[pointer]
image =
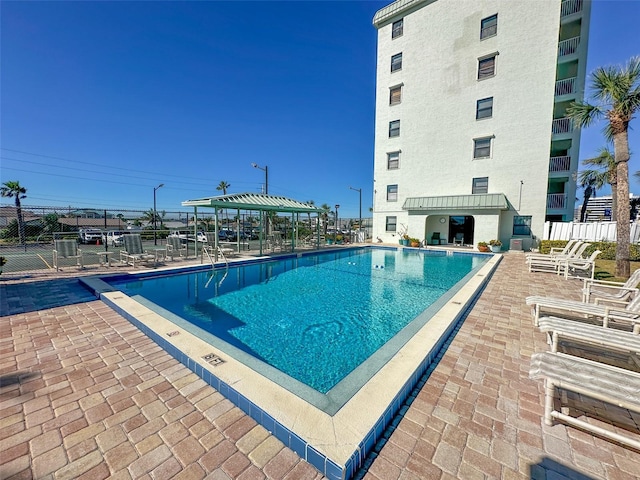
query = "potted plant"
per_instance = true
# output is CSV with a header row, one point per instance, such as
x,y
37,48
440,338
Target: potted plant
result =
x,y
404,241
414,242
339,239
495,246
483,246
330,238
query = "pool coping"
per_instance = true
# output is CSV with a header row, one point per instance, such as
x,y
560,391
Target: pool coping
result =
x,y
337,445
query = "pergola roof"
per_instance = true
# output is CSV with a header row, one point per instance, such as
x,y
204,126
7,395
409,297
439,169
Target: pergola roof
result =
x,y
254,201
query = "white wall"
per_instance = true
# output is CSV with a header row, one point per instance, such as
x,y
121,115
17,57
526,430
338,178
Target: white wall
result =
x,y
440,46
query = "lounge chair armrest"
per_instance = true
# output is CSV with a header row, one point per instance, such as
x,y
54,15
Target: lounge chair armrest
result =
x,y
599,301
599,283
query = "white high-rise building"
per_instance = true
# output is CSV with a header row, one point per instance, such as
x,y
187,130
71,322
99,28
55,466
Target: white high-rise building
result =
x,y
472,142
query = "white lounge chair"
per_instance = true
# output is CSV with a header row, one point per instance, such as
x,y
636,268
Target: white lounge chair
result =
x,y
603,382
133,251
574,265
607,290
555,263
628,314
555,251
67,249
580,332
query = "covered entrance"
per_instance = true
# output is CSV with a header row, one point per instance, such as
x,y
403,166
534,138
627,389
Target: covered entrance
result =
x,y
461,228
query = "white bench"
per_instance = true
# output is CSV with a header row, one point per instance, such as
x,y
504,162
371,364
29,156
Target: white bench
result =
x,y
595,380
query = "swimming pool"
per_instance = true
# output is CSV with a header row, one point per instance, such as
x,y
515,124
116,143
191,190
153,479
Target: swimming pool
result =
x,y
331,430
340,307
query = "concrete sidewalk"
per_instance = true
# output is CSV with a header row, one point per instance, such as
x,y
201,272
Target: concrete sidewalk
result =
x,y
86,395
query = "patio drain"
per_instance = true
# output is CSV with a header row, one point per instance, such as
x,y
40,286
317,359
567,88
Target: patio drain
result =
x,y
173,334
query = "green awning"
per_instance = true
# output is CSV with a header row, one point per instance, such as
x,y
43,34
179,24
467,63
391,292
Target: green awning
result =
x,y
254,201
487,201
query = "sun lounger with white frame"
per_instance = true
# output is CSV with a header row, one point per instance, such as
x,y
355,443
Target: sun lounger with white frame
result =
x,y
599,381
571,266
555,251
628,314
555,263
607,290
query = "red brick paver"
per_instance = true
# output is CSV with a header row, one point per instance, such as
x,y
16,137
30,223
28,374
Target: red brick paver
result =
x,y
98,399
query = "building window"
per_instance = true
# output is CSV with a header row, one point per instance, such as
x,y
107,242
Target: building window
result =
x,y
392,193
391,223
489,26
395,95
396,62
522,225
396,29
394,128
480,185
393,160
484,108
482,147
487,67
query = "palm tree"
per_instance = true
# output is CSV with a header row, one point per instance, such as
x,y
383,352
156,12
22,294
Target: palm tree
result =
x,y
593,179
10,189
616,91
324,215
223,186
310,202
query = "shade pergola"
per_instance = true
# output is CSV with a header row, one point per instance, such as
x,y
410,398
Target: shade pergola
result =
x,y
253,202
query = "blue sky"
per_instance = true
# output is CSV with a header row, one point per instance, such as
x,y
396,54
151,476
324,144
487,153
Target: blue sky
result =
x,y
103,101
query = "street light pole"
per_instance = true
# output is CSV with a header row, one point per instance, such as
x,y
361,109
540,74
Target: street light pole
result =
x,y
359,190
337,207
155,213
266,189
266,176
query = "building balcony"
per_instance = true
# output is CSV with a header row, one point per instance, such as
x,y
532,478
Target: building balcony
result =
x,y
566,86
569,7
560,164
568,46
556,201
561,125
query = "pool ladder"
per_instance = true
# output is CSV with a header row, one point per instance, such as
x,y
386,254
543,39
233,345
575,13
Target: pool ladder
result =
x,y
213,266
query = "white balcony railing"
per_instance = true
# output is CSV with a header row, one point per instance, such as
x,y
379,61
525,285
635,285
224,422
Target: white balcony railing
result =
x,y
569,7
555,200
561,125
560,164
566,86
568,47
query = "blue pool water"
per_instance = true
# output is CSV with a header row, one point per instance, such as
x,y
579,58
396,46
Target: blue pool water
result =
x,y
316,318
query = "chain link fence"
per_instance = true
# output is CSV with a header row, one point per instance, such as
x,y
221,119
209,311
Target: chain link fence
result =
x,y
28,245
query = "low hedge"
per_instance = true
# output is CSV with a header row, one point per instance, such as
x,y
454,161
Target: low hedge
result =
x,y
608,249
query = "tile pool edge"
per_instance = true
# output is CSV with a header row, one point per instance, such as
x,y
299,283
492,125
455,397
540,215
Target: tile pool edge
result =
x,y
338,444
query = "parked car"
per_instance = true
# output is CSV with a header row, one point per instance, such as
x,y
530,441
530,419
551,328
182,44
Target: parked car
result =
x,y
185,235
227,235
113,238
89,235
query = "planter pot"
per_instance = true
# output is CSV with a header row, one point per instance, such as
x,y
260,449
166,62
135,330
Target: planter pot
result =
x,y
415,244
329,242
483,249
404,243
495,248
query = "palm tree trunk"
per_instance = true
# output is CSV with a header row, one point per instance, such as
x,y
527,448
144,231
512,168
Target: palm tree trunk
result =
x,y
587,196
21,233
621,152
614,200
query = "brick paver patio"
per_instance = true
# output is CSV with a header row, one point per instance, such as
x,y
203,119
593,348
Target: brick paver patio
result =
x,y
86,395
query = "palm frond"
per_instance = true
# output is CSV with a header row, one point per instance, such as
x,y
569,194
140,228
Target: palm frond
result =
x,y
584,114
